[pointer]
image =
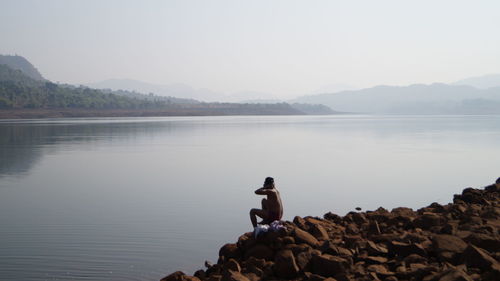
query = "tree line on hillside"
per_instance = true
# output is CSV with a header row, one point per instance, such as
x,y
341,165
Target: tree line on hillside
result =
x,y
19,91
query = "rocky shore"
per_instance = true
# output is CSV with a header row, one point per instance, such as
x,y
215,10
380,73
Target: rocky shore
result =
x,y
457,241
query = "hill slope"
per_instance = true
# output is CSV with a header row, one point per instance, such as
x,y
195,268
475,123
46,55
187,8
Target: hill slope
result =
x,y
22,64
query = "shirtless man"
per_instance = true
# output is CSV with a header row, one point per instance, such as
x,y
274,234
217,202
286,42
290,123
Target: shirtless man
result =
x,y
272,209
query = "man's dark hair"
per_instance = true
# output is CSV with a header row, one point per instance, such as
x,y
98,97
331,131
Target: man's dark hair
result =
x,y
498,180
269,182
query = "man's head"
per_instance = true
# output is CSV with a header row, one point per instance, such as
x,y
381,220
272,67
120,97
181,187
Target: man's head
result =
x,y
269,183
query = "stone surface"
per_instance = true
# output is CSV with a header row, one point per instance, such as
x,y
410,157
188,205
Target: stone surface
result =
x,y
302,236
459,241
285,265
477,257
328,265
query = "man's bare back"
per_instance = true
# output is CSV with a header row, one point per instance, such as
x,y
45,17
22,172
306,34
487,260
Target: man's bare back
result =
x,y
272,208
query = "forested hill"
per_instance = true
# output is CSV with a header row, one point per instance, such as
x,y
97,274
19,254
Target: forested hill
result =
x,y
17,90
24,97
20,63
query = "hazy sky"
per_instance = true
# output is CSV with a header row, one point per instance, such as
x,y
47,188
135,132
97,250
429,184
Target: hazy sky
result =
x,y
286,48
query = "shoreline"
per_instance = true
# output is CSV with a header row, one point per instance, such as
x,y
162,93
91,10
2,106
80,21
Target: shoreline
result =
x,y
456,241
69,113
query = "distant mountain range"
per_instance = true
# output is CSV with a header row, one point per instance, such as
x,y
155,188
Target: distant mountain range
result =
x,y
180,90
476,95
481,82
414,99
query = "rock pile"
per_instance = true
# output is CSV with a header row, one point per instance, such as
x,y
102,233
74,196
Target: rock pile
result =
x,y
458,241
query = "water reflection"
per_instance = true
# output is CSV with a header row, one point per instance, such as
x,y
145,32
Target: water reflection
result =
x,y
24,143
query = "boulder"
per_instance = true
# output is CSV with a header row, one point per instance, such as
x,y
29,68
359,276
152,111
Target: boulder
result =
x,y
448,247
328,265
285,265
375,260
379,269
302,236
414,258
428,220
477,257
233,265
333,217
214,277
230,250
484,241
404,249
260,251
318,232
230,275
179,276
300,222
455,275
375,249
303,260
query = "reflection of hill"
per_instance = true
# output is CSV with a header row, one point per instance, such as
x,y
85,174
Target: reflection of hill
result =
x,y
23,144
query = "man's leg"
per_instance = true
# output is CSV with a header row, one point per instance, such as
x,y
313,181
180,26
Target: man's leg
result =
x,y
257,212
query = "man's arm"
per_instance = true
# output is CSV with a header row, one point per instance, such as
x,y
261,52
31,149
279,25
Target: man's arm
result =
x,y
263,191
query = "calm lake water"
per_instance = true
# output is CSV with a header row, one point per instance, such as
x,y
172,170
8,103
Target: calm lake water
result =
x,y
138,198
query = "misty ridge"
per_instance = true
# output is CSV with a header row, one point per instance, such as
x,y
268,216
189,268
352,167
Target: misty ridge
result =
x,y
24,90
476,95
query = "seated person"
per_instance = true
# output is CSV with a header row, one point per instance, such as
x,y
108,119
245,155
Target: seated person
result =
x,y
272,208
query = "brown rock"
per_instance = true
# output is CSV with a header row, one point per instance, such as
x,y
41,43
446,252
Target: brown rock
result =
x,y
303,260
379,269
285,265
179,276
477,257
233,265
288,240
414,258
302,236
230,275
318,232
328,265
333,217
484,241
332,249
428,220
214,277
375,260
176,276
375,249
252,276
405,249
260,251
200,274
403,211
455,275
258,263
448,247
359,218
300,222
229,251
315,277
